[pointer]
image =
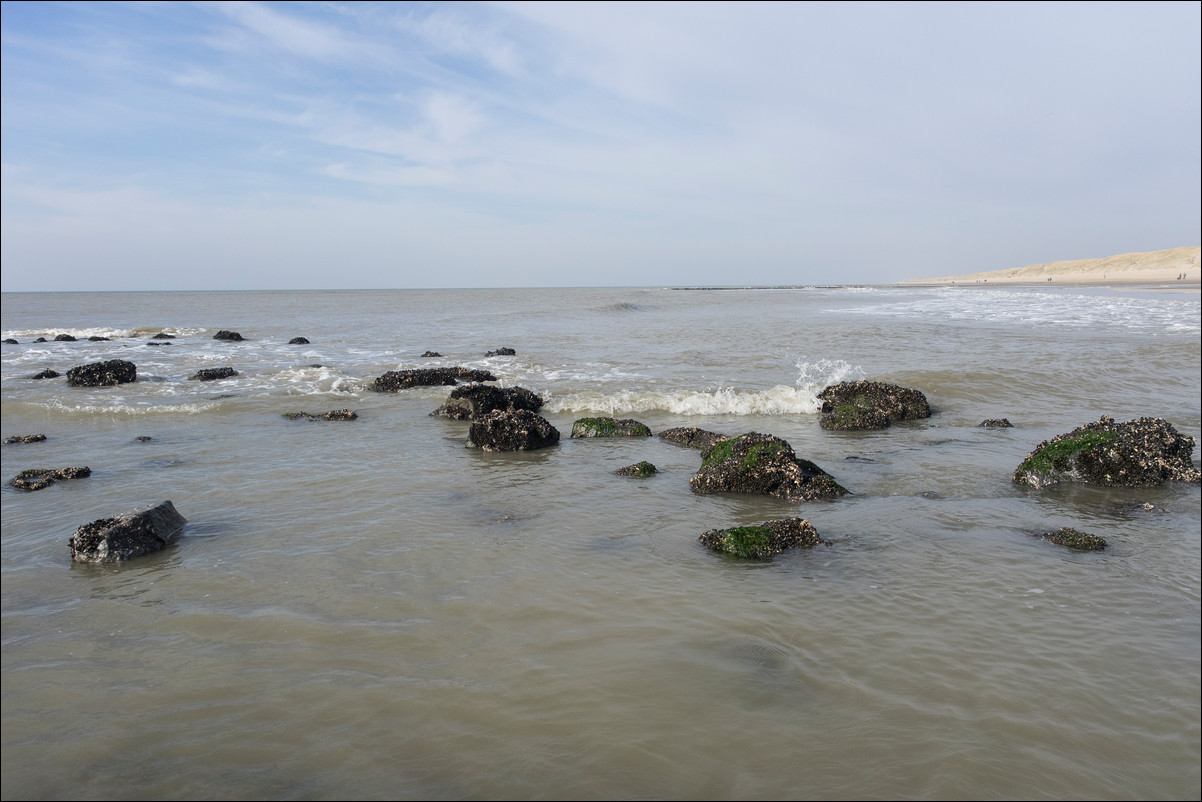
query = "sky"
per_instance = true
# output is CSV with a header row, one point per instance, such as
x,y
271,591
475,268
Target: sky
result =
x,y
327,145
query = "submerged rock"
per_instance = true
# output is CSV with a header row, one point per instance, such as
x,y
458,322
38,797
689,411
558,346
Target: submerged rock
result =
x,y
232,336
24,438
103,374
870,405
96,338
519,430
431,354
764,540
40,478
395,380
502,352
608,427
10,341
141,531
640,469
1001,423
213,374
298,341
162,335
335,414
1081,541
64,338
46,374
762,463
474,401
692,437
1137,453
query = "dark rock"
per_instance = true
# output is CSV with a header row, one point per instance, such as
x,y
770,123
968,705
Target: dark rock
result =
x,y
693,437
103,374
519,430
24,438
640,469
1067,536
317,365
142,531
143,438
298,341
64,338
764,540
608,427
213,374
474,401
40,340
151,343
10,341
336,414
233,336
1138,453
39,478
1001,423
501,352
761,463
162,335
395,380
96,338
431,354
46,374
870,405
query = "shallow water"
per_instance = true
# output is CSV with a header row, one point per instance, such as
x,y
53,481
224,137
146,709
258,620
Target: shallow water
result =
x,y
369,609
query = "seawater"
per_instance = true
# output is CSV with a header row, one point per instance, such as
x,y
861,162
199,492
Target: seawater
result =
x,y
370,609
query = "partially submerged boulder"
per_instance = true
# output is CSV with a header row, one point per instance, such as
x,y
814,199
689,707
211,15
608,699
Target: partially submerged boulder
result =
x,y
162,335
431,354
298,341
1073,539
870,405
474,401
519,430
11,341
763,540
334,414
232,336
1136,453
64,338
608,427
502,352
640,469
103,374
46,374
141,531
40,478
24,438
213,374
692,437
762,463
1000,423
395,380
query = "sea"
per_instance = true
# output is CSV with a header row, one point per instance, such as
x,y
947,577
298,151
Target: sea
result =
x,y
372,609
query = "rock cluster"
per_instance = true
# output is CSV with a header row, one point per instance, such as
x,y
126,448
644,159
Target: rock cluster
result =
x,y
141,531
870,405
1136,453
762,463
763,540
40,478
103,374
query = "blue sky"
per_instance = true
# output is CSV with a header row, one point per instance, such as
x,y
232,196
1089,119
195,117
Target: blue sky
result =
x,y
236,146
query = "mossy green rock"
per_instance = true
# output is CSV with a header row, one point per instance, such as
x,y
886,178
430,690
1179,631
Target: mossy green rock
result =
x,y
870,405
762,540
1073,539
608,427
640,469
762,463
1136,453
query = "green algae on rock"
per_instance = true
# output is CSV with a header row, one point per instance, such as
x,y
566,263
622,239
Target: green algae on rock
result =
x,y
640,469
1136,453
608,427
870,405
762,463
1074,539
762,540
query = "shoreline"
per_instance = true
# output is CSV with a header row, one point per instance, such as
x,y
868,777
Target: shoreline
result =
x,y
1176,268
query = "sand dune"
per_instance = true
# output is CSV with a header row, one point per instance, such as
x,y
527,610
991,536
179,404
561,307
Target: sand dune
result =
x,y
1173,266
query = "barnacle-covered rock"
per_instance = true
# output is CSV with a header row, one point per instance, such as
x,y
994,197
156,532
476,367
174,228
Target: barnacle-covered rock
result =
x,y
213,374
870,405
519,430
640,469
142,531
1073,539
103,374
692,437
608,427
763,540
762,463
395,380
40,478
474,401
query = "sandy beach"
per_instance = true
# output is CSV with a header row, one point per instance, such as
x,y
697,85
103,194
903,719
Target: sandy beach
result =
x,y
1179,266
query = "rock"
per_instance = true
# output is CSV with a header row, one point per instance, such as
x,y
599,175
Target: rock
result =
x,y
1082,541
1137,453
142,531
143,438
640,469
336,414
39,478
162,335
96,338
213,374
150,343
502,352
693,437
46,374
474,401
761,463
24,438
395,380
1001,423
103,374
764,540
870,405
298,341
40,340
519,430
64,338
10,341
430,354
233,336
608,427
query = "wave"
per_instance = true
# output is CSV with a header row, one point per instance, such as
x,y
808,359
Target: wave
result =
x,y
119,408
779,400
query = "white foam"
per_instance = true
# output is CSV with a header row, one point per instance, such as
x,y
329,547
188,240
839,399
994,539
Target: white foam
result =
x,y
779,400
